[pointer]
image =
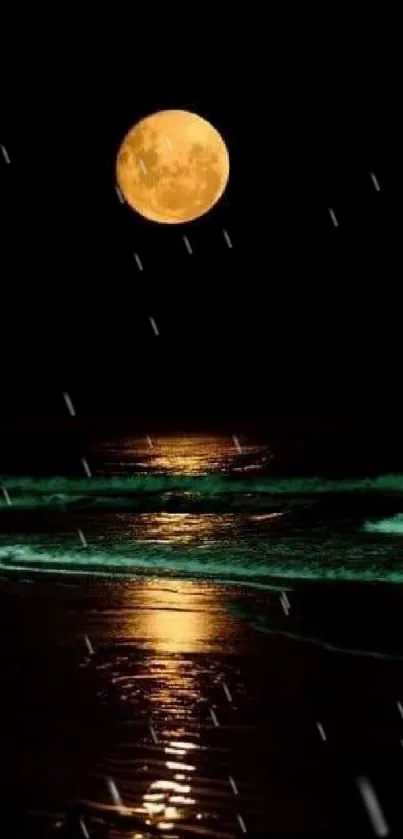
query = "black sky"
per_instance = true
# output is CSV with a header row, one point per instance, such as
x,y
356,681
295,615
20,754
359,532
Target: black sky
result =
x,y
299,316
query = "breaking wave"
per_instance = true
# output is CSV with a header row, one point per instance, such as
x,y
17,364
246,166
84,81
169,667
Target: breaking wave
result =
x,y
260,561
392,526
131,491
250,531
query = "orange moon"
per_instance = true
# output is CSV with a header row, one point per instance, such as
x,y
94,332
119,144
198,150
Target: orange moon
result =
x,y
172,167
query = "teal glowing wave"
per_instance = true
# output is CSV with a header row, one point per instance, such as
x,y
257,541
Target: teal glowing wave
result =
x,y
259,561
112,492
264,549
392,526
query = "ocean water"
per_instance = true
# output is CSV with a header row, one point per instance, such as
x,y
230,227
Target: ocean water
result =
x,y
202,507
145,642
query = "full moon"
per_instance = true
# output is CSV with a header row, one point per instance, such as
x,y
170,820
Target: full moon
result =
x,y
172,167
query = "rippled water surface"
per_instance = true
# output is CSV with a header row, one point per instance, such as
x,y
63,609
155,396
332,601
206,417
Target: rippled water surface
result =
x,y
202,507
163,654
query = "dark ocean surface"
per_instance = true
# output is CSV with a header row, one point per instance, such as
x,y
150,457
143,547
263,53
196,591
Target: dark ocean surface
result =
x,y
216,639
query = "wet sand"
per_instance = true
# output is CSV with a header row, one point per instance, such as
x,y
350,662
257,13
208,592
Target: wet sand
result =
x,y
211,708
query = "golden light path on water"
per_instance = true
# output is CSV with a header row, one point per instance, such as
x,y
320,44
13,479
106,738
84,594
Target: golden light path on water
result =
x,y
174,620
171,624
174,626
175,528
183,454
188,456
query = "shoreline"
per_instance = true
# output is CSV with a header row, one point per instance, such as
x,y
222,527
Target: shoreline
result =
x,y
274,583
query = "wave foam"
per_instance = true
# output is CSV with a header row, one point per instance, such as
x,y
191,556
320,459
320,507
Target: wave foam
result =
x,y
391,526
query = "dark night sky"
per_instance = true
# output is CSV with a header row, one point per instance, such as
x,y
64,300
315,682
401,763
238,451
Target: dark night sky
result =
x,y
299,316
